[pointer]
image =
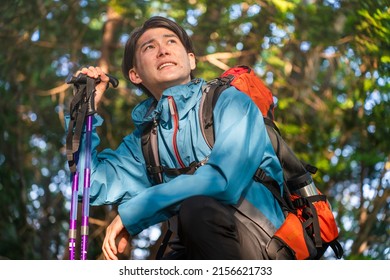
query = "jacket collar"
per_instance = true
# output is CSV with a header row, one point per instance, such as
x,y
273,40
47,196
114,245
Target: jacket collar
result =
x,y
185,97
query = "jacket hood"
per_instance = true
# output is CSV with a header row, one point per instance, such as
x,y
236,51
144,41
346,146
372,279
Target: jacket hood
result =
x,y
185,96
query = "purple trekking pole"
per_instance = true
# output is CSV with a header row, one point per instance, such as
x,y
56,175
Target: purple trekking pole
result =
x,y
87,182
73,217
82,109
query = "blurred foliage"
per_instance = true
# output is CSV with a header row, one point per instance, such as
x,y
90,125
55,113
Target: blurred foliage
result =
x,y
327,63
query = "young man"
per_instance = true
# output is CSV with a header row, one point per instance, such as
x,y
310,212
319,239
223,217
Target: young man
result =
x,y
219,212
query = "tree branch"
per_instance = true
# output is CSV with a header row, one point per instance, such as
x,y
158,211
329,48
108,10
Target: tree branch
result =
x,y
216,58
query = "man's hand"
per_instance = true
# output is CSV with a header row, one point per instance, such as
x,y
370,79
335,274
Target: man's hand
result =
x,y
96,72
115,231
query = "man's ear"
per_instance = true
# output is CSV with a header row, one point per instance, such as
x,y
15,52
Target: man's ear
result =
x,y
191,57
134,77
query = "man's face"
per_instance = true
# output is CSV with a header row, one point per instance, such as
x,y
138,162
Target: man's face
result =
x,y
161,61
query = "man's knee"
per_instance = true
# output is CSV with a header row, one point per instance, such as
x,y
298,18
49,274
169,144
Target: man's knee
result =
x,y
202,212
197,207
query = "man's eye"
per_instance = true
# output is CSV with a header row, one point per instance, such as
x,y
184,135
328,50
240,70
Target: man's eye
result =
x,y
172,41
148,47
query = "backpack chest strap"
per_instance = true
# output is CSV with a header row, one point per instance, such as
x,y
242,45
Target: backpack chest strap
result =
x,y
156,171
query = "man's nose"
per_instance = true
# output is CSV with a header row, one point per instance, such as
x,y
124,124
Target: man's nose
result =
x,y
163,50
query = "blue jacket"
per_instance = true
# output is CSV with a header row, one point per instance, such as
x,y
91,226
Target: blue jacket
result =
x,y
242,145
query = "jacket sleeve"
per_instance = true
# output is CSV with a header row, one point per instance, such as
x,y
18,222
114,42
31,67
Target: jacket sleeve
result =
x,y
115,174
237,152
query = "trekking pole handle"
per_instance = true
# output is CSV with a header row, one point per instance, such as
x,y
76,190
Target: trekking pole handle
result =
x,y
82,79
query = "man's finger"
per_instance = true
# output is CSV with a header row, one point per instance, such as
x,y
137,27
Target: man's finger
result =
x,y
123,242
109,247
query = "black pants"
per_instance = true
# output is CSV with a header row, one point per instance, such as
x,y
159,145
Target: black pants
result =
x,y
211,230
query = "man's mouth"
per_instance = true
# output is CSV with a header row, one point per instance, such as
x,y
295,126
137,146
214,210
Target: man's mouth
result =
x,y
166,65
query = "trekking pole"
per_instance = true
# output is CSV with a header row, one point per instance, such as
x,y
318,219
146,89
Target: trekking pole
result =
x,y
82,104
87,182
73,216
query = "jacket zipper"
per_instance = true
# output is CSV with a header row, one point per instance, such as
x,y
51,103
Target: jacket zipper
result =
x,y
173,109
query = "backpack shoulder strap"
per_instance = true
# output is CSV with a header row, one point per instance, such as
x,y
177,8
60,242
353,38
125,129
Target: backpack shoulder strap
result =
x,y
211,92
150,151
149,144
